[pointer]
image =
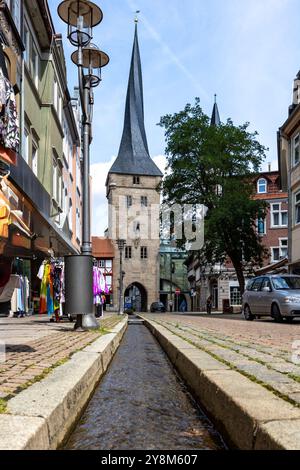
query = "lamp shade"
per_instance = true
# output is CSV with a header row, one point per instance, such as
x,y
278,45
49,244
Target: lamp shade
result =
x,y
70,10
81,16
92,59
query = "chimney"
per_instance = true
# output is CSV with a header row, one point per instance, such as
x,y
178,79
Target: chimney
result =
x,y
269,167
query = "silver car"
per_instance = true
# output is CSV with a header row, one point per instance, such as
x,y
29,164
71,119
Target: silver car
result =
x,y
275,295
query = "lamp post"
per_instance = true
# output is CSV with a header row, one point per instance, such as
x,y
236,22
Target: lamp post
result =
x,y
82,16
121,245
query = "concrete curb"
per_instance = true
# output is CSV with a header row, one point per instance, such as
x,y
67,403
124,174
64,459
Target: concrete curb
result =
x,y
42,416
247,414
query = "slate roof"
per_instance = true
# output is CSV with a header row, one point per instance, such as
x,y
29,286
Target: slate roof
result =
x,y
215,118
133,157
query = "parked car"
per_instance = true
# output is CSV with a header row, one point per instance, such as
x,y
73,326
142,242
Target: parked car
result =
x,y
277,296
157,307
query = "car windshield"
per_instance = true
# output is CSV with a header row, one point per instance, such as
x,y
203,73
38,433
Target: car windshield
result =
x,y
286,283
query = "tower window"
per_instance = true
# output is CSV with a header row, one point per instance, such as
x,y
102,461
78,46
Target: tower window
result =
x,y
136,180
144,201
128,252
144,252
129,201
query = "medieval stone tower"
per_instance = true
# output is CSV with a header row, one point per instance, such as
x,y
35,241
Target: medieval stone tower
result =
x,y
134,201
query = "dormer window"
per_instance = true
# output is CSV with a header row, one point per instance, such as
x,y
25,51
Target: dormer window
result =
x,y
136,180
262,186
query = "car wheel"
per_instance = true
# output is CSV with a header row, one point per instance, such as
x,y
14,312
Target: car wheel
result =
x,y
247,313
276,313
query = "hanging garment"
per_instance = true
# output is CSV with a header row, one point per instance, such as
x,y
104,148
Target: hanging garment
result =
x,y
44,288
13,283
102,282
9,125
62,283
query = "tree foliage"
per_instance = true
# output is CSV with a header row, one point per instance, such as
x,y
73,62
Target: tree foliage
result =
x,y
215,166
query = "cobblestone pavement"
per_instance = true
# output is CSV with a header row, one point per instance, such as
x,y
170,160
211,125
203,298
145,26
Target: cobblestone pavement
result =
x,y
34,346
261,350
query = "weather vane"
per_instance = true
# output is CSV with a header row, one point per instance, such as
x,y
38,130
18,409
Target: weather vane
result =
x,y
136,19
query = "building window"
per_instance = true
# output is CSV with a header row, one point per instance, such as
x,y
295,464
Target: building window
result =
x,y
34,158
281,251
235,296
296,149
78,224
26,145
129,201
128,252
279,217
15,9
136,227
261,226
297,208
57,184
55,93
136,180
35,65
108,280
26,39
108,264
59,188
54,178
70,215
262,186
144,201
144,252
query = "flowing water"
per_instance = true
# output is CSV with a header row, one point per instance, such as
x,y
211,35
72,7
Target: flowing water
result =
x,y
142,404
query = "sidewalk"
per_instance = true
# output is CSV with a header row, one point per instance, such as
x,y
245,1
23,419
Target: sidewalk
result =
x,y
34,346
260,351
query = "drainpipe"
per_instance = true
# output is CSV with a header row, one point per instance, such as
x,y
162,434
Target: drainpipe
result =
x,y
290,206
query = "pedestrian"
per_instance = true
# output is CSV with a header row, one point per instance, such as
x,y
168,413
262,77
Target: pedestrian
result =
x,y
171,306
209,305
182,307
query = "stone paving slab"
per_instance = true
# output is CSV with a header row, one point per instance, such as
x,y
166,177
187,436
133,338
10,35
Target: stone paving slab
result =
x,y
29,360
278,435
49,409
18,431
271,367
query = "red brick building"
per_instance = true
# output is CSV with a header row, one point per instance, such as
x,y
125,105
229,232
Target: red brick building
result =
x,y
220,281
103,253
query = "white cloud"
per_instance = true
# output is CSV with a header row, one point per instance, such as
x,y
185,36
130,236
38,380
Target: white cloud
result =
x,y
161,162
99,173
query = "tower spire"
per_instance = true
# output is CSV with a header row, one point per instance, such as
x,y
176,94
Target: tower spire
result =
x,y
133,157
215,118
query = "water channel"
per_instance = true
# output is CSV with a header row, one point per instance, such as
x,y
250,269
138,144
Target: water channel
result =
x,y
141,403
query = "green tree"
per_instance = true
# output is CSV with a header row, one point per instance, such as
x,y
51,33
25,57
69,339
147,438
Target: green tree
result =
x,y
215,166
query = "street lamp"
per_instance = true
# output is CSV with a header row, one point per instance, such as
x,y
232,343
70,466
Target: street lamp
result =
x,y
121,245
81,17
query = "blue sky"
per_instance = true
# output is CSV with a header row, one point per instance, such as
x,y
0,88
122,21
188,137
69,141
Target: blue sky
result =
x,y
246,51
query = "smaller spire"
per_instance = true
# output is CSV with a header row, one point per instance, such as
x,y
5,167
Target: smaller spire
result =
x,y
215,118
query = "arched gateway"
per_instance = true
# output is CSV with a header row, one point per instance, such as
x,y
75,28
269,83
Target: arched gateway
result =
x,y
136,297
